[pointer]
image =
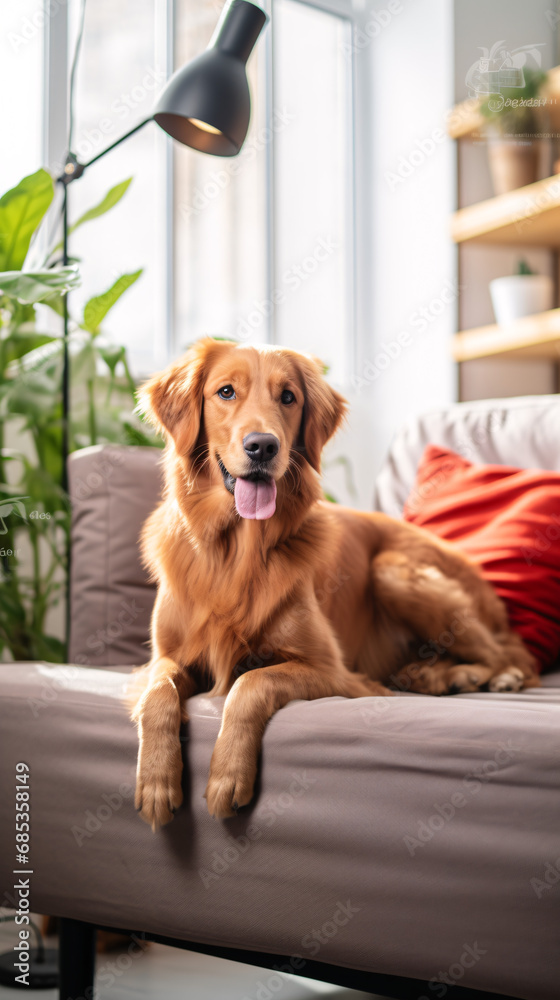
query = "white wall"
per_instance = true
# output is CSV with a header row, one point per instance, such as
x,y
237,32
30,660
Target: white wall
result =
x,y
410,259
21,68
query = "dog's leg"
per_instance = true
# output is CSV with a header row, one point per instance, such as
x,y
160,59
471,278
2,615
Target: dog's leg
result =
x,y
443,677
439,610
252,701
158,715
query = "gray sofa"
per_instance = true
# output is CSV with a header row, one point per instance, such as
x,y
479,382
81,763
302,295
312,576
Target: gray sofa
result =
x,y
406,846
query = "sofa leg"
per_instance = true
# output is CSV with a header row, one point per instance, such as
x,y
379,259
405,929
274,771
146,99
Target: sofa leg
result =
x,y
76,959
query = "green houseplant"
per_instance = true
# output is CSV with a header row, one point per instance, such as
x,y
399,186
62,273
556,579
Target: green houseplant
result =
x,y
34,509
514,118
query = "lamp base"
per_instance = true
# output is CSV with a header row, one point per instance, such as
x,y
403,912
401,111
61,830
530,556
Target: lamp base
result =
x,y
41,976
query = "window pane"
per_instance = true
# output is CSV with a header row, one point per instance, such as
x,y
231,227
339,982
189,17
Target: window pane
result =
x,y
313,183
21,86
220,216
117,83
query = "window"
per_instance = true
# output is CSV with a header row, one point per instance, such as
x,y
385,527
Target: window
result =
x,y
220,209
313,190
263,242
257,247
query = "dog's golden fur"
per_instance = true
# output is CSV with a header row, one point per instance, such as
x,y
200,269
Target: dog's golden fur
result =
x,y
317,600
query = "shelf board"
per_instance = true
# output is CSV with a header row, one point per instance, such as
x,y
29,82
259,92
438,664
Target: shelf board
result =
x,y
465,118
529,216
536,337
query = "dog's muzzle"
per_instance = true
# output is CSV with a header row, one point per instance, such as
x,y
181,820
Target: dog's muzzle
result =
x,y
254,494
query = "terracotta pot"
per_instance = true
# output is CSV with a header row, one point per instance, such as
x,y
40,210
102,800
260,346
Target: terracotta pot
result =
x,y
513,164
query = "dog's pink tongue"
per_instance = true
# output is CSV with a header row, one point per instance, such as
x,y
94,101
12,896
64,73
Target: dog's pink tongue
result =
x,y
255,500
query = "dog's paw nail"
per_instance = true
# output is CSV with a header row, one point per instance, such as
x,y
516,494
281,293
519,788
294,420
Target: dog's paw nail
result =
x,y
235,806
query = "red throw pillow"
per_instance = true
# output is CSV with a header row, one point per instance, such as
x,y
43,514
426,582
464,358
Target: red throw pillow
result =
x,y
507,521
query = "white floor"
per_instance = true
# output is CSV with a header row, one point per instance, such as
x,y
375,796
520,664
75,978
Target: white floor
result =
x,y
162,973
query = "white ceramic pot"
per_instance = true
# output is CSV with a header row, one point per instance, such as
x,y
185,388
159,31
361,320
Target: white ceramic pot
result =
x,y
521,295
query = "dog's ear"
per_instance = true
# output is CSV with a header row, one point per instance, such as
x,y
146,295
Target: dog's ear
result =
x,y
172,400
324,409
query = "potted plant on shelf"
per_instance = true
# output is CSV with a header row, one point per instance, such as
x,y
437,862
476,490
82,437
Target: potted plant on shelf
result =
x,y
514,120
521,294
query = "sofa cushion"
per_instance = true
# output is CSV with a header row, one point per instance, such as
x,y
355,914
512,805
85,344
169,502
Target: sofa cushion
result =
x,y
507,521
523,431
113,489
387,834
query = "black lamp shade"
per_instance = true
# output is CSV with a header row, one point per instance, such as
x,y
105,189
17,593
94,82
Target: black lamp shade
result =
x,y
206,104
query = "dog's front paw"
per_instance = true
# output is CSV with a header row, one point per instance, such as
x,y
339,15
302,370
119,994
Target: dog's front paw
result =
x,y
228,791
158,795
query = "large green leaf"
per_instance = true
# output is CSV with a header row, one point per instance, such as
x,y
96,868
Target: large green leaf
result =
x,y
21,343
34,286
21,211
97,308
111,199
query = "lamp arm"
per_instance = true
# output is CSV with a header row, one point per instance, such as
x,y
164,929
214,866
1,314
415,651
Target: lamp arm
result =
x,y
74,169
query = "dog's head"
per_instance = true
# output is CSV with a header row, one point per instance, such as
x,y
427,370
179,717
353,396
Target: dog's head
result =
x,y
240,415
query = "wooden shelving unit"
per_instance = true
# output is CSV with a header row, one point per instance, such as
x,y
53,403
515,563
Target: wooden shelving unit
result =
x,y
535,337
527,217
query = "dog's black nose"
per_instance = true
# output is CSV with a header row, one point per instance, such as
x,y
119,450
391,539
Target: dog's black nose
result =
x,y
261,447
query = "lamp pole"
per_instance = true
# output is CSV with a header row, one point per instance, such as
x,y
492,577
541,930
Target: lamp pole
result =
x,y
73,169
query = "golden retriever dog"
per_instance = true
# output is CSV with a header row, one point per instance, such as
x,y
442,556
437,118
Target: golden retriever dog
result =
x,y
267,594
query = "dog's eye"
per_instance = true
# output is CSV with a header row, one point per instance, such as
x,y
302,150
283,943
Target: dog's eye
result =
x,y
287,397
226,392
